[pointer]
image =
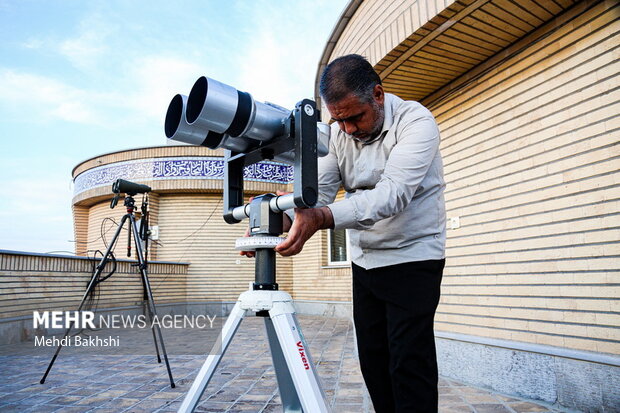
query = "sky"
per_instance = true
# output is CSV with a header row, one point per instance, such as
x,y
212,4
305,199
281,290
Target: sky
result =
x,y
83,78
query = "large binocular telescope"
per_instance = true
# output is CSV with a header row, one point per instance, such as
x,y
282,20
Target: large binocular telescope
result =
x,y
216,115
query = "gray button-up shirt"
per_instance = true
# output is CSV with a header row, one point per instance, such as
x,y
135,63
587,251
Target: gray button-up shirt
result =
x,y
394,207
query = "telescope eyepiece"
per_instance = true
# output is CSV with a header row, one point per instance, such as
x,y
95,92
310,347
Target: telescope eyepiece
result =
x,y
174,115
196,99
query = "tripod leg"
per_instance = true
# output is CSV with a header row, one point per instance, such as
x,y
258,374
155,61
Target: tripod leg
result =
x,y
145,309
208,368
150,301
90,287
295,352
288,394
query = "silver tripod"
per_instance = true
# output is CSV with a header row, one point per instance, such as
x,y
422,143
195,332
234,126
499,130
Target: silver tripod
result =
x,y
298,381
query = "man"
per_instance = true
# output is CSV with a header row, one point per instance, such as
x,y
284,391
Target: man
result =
x,y
385,153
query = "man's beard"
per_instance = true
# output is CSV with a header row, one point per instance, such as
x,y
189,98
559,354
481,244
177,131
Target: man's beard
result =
x,y
377,127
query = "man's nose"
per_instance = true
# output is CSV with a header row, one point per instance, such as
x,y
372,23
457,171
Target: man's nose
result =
x,y
349,127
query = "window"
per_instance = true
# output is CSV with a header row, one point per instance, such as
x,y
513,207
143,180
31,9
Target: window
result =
x,y
337,247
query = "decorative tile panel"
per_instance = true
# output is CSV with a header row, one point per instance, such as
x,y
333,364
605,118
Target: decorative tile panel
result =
x,y
178,168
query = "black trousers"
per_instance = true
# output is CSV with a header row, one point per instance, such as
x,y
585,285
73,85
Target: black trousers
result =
x,y
393,310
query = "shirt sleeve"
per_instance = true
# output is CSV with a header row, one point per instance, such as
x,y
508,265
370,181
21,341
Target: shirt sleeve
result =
x,y
407,165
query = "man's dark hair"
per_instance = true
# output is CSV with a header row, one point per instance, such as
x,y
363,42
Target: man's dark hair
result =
x,y
348,74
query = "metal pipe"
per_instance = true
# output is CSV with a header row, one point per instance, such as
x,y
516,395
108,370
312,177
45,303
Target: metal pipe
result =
x,y
265,266
277,204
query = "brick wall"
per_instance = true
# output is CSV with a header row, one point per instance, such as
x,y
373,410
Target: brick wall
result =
x,y
47,282
531,160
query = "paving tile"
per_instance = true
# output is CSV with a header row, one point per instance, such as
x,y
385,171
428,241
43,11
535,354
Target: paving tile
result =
x,y
348,408
256,398
224,396
522,407
43,408
167,395
37,399
151,404
473,390
75,409
480,399
213,406
120,403
448,399
271,408
505,399
138,410
245,407
66,400
93,401
14,397
456,408
112,394
86,392
59,390
350,400
491,408
137,394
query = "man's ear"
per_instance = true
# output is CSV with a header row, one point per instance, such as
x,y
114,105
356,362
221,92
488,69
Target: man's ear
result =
x,y
378,94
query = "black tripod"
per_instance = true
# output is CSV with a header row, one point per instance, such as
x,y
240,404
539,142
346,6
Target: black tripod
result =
x,y
131,190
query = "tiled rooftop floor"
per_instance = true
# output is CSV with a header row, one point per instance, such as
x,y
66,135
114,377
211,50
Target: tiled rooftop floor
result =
x,y
244,382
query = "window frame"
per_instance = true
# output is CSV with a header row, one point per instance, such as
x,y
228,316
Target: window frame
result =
x,y
331,263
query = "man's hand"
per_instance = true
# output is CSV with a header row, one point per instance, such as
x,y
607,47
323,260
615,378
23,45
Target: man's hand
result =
x,y
306,223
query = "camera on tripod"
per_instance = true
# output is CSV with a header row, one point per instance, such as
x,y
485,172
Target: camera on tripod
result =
x,y
140,240
121,186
